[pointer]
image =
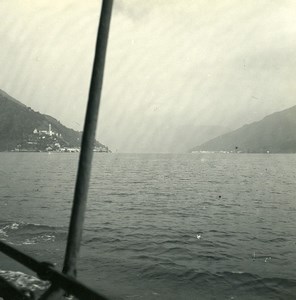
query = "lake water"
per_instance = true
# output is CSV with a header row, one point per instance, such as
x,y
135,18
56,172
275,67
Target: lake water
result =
x,y
161,226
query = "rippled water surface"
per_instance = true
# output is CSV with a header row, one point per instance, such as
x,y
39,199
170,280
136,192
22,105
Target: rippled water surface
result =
x,y
160,226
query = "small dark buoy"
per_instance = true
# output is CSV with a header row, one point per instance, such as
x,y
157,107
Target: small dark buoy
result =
x,y
219,196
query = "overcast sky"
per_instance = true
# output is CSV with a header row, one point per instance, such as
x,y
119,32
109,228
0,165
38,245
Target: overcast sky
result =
x,y
171,65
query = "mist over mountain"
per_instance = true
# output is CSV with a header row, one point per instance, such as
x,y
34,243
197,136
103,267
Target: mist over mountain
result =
x,y
276,133
17,123
184,137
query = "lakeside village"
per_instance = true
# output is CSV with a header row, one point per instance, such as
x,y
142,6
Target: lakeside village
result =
x,y
49,141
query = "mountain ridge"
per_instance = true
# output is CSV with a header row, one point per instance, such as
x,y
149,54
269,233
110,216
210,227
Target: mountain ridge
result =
x,y
275,133
17,123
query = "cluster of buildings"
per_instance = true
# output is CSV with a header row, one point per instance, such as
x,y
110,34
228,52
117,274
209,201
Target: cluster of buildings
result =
x,y
49,141
48,132
45,140
41,140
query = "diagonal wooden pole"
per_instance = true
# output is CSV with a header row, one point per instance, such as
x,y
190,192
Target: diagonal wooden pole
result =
x,y
88,140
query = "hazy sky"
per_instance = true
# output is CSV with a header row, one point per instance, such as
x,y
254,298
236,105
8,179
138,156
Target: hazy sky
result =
x,y
171,65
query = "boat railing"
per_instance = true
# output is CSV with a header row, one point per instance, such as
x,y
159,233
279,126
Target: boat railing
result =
x,y
65,281
45,271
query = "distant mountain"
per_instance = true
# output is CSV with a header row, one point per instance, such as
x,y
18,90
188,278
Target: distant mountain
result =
x,y
17,123
184,137
275,133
